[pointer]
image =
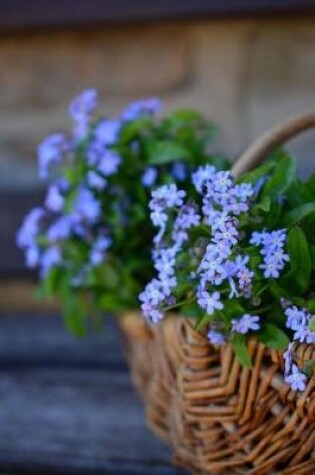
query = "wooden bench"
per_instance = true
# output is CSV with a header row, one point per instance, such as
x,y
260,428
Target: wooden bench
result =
x,y
67,405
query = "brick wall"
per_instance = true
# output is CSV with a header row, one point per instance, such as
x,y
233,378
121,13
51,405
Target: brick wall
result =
x,y
244,74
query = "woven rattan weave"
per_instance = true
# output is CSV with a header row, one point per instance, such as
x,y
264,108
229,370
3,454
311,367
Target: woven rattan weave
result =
x,y
218,417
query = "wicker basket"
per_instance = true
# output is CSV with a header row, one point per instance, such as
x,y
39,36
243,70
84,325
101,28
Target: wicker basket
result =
x,y
218,417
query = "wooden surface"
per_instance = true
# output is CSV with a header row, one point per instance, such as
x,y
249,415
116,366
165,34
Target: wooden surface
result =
x,y
17,14
14,205
67,405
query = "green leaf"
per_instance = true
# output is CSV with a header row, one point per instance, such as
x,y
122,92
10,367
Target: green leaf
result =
x,y
311,305
281,178
108,302
188,125
202,322
74,323
312,255
259,172
134,129
308,225
264,204
109,274
278,291
255,258
50,285
275,314
298,214
163,151
239,345
74,314
233,309
200,231
311,184
298,194
278,155
181,288
273,337
184,116
274,215
259,287
192,310
297,279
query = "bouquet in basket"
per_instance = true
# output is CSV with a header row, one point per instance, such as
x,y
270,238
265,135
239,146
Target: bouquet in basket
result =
x,y
236,256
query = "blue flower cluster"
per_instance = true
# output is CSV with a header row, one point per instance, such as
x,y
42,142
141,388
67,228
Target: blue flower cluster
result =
x,y
221,263
45,229
299,321
163,199
216,267
158,292
81,111
272,244
52,151
246,323
74,209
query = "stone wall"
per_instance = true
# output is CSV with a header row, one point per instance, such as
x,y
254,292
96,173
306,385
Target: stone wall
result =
x,y
246,75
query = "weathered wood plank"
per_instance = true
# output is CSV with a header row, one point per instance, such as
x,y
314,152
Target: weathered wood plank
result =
x,y
13,207
67,405
17,294
40,340
36,13
75,422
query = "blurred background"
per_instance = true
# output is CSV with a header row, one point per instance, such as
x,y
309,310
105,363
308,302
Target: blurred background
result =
x,y
246,64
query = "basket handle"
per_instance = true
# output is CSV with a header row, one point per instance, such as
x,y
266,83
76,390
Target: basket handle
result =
x,y
273,138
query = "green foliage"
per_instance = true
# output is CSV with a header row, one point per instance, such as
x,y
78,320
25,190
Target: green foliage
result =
x,y
232,309
51,284
273,337
75,312
134,130
239,345
255,175
298,193
114,284
161,152
311,184
310,304
264,204
191,310
298,277
202,322
281,178
298,214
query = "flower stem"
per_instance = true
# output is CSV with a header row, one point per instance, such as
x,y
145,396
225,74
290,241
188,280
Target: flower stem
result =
x,y
178,304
